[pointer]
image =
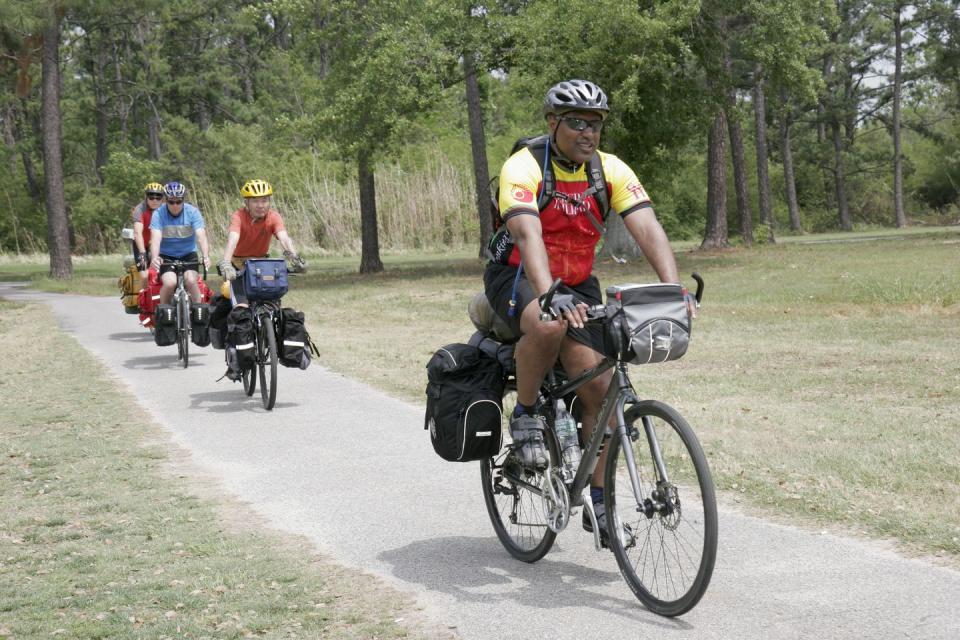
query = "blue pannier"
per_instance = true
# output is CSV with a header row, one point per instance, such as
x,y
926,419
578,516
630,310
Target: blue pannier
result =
x,y
265,279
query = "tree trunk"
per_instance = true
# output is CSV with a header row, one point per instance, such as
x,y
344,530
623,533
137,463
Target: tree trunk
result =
x,y
828,178
840,178
203,115
736,149
58,234
478,145
100,98
763,171
715,236
900,216
789,176
153,131
17,129
740,173
369,235
122,101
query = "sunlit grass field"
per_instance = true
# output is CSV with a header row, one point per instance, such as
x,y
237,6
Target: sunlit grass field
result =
x,y
107,532
823,379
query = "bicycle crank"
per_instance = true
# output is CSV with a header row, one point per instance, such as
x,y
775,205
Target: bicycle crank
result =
x,y
556,500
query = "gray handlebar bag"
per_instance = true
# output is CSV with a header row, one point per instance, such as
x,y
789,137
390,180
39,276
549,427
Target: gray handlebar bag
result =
x,y
655,320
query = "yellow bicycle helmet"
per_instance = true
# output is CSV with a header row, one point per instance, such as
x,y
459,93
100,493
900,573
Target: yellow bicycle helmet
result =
x,y
153,187
256,189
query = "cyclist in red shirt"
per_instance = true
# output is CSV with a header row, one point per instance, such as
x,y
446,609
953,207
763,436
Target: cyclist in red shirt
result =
x,y
251,229
140,215
558,241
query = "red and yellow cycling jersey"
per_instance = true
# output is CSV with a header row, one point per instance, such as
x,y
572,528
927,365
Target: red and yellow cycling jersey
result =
x,y
569,236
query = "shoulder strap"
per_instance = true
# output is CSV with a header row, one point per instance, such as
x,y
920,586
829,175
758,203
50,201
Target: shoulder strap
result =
x,y
599,183
540,149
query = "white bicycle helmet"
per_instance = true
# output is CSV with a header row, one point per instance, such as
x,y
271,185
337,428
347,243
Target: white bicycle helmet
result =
x,y
575,95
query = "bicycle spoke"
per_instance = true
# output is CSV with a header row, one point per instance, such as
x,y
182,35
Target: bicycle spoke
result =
x,y
514,502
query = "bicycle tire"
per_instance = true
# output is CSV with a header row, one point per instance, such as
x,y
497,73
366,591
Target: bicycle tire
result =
x,y
183,329
667,556
249,377
267,362
515,512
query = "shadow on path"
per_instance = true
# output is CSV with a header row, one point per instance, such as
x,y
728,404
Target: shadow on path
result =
x,y
161,361
132,336
232,400
480,570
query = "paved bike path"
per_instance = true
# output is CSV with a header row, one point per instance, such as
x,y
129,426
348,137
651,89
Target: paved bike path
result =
x,y
351,469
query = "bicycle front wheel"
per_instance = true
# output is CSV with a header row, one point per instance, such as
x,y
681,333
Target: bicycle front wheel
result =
x,y
513,497
665,538
183,330
267,362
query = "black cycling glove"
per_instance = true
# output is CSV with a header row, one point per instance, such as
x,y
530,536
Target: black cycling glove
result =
x,y
561,302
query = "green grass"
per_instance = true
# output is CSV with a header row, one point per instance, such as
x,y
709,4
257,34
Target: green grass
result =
x,y
99,538
822,379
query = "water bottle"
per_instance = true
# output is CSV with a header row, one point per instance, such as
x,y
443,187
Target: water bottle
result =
x,y
566,428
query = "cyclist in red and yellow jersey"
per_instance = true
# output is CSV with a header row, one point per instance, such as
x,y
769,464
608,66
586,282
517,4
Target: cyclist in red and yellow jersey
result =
x,y
557,239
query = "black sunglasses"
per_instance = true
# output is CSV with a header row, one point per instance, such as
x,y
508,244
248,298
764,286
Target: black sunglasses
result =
x,y
154,196
169,201
579,124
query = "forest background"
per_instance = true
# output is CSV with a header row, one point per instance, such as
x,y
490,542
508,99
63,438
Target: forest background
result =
x,y
381,122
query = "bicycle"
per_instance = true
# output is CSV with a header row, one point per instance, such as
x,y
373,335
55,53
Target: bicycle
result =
x,y
181,302
266,328
659,494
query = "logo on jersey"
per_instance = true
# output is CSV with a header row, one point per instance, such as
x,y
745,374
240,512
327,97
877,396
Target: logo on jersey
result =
x,y
521,194
637,190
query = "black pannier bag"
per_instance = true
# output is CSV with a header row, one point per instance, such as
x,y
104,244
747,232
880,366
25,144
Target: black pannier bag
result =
x,y
654,321
200,324
219,310
165,325
295,344
464,410
240,336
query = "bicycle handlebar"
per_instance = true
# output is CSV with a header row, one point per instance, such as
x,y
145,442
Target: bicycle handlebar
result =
x,y
179,266
599,311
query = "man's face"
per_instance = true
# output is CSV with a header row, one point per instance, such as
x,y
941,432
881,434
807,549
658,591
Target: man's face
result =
x,y
258,207
175,206
578,146
154,200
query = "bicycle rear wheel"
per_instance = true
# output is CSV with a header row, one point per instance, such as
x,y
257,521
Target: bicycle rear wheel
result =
x,y
513,499
183,329
267,362
666,545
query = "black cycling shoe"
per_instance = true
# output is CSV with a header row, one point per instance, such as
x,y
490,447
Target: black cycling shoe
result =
x,y
233,375
600,511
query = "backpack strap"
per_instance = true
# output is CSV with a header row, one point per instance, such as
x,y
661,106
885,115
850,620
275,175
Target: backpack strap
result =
x,y
540,149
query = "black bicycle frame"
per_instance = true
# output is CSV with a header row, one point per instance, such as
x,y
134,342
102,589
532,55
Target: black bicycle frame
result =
x,y
619,394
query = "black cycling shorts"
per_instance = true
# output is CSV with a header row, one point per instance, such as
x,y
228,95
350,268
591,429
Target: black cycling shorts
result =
x,y
498,282
165,266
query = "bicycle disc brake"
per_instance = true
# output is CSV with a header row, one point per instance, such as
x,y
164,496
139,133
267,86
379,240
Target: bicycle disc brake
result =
x,y
556,500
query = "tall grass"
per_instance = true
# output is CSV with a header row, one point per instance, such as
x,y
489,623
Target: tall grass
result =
x,y
431,207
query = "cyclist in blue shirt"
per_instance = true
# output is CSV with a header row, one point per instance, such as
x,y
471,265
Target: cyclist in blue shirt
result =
x,y
176,229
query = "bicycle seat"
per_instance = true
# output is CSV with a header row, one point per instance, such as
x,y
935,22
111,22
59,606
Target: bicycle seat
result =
x,y
486,320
